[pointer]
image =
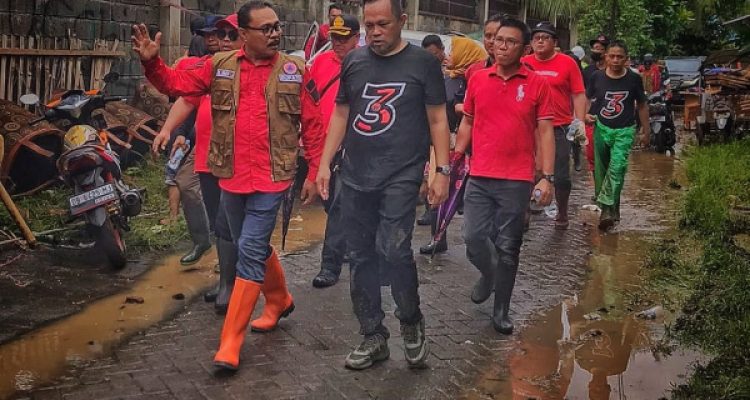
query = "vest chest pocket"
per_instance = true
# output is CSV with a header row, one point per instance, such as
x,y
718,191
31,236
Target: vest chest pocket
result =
x,y
289,101
222,99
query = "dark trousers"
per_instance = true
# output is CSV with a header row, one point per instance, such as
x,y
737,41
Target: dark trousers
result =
x,y
562,159
494,211
379,227
211,195
196,218
334,244
252,218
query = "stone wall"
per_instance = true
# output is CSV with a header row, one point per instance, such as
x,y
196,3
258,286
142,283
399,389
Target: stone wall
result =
x,y
112,19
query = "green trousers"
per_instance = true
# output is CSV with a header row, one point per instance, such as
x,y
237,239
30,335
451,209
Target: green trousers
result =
x,y
611,151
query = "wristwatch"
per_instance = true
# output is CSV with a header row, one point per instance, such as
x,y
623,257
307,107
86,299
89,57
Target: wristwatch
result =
x,y
549,178
443,169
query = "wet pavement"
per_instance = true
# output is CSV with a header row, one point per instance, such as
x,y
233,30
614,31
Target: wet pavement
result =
x,y
562,350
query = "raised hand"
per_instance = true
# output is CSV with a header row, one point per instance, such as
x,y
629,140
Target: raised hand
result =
x,y
146,48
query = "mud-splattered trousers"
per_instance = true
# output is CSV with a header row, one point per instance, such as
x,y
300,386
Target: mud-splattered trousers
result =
x,y
379,226
611,148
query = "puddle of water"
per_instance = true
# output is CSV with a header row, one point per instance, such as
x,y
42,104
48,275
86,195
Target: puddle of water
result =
x,y
45,354
591,346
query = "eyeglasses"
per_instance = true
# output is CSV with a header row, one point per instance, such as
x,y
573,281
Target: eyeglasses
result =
x,y
268,29
509,43
232,34
541,38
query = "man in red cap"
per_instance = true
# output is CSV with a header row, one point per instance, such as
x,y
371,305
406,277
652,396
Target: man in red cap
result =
x,y
325,72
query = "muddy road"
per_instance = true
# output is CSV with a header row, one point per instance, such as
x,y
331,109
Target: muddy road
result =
x,y
577,337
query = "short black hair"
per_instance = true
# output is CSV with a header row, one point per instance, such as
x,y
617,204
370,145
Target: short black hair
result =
x,y
432,40
243,15
510,22
397,6
335,6
618,43
499,17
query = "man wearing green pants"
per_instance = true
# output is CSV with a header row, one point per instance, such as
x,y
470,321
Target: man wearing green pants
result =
x,y
615,94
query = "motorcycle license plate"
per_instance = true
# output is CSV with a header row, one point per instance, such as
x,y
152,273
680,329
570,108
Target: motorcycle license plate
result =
x,y
83,202
660,118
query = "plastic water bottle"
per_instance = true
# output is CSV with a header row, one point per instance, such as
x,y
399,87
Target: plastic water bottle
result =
x,y
534,205
551,210
177,157
572,128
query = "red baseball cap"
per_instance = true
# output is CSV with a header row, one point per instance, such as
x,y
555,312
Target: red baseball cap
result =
x,y
228,22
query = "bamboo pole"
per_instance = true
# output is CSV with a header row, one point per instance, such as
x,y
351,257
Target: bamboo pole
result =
x,y
11,206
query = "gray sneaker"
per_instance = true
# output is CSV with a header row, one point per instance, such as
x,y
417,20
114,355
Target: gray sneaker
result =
x,y
373,349
415,344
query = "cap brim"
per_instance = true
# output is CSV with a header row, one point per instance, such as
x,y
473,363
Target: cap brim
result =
x,y
341,33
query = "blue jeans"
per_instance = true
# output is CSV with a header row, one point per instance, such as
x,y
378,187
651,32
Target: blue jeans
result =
x,y
251,218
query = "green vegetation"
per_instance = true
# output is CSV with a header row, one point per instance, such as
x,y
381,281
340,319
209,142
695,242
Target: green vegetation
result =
x,y
47,211
706,274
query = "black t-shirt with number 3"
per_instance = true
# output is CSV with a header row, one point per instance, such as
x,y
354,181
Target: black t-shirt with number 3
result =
x,y
613,101
387,133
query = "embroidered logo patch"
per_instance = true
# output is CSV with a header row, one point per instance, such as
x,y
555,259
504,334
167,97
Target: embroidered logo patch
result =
x,y
225,73
290,68
520,93
290,78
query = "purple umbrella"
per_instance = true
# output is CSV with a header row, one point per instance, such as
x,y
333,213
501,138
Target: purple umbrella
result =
x,y
446,211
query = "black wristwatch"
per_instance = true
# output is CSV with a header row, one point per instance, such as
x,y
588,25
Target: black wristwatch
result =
x,y
444,169
549,178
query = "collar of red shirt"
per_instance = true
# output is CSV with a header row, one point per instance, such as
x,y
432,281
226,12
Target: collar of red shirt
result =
x,y
522,72
272,60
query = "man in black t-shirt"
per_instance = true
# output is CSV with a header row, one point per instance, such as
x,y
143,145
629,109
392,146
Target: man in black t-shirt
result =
x,y
615,94
391,101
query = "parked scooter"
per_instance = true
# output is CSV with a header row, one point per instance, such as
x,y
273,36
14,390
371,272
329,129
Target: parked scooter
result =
x,y
92,169
663,131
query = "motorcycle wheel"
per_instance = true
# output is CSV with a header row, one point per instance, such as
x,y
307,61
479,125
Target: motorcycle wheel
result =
x,y
109,241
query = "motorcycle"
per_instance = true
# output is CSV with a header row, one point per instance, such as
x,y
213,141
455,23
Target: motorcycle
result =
x,y
661,119
92,169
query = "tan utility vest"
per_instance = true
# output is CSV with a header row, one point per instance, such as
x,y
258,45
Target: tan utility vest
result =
x,y
283,106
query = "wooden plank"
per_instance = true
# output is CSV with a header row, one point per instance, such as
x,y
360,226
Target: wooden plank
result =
x,y
54,75
78,75
39,75
21,70
3,62
47,72
11,70
60,52
29,72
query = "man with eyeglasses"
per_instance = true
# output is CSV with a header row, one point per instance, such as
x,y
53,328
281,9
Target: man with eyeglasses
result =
x,y
391,102
325,72
566,88
259,98
503,149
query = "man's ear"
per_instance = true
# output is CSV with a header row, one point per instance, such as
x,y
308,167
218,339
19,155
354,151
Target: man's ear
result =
x,y
402,19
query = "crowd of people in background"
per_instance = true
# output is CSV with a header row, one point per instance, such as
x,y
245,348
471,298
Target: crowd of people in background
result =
x,y
382,126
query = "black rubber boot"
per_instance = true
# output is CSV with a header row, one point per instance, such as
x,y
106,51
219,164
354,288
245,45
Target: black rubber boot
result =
x,y
505,279
210,296
227,253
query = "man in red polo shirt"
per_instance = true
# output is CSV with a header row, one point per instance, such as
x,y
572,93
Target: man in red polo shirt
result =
x,y
325,72
503,147
258,101
566,88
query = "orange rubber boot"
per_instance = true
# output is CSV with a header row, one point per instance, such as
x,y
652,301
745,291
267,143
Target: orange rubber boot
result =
x,y
279,302
241,306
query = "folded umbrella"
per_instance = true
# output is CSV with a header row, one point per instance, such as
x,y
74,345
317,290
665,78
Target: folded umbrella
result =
x,y
446,211
288,203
